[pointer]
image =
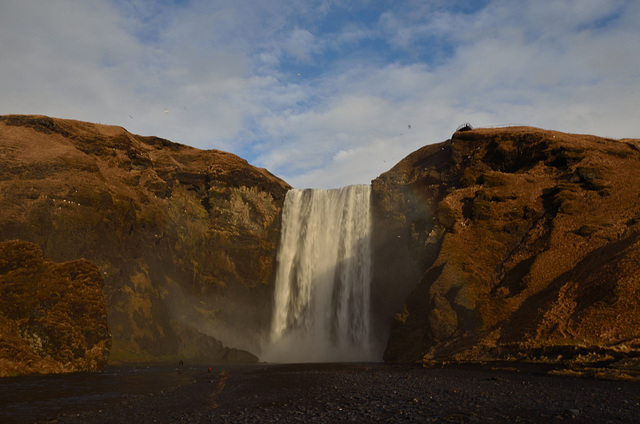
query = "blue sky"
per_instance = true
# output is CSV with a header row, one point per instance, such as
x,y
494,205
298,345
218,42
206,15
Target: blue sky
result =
x,y
323,93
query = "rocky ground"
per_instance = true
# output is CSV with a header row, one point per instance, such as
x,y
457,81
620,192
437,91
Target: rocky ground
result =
x,y
373,393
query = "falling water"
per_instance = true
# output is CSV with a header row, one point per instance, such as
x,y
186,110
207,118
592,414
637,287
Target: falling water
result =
x,y
321,304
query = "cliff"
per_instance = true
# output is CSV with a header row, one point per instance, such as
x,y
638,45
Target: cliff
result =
x,y
511,243
185,239
53,316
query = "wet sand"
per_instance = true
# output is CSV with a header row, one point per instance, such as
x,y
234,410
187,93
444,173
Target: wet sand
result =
x,y
341,393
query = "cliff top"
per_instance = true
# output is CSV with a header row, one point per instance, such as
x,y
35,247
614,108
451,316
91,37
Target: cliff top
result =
x,y
68,138
480,136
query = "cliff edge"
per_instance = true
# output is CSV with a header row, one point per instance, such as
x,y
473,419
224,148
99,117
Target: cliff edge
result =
x,y
185,239
511,243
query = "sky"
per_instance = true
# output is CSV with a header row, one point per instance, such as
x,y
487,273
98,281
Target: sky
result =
x,y
323,93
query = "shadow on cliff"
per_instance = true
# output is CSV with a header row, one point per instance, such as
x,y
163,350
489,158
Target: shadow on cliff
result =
x,y
406,242
593,280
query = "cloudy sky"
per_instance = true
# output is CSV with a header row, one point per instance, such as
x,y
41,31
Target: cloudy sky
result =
x,y
323,93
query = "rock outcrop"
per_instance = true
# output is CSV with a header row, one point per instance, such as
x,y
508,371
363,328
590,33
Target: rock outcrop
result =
x,y
53,317
511,243
185,239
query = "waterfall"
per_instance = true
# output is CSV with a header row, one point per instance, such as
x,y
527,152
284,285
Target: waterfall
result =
x,y
322,290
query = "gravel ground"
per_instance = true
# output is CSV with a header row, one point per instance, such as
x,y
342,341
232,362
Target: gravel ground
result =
x,y
361,393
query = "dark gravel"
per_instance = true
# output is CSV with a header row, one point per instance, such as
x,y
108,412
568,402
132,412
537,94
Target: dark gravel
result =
x,y
361,393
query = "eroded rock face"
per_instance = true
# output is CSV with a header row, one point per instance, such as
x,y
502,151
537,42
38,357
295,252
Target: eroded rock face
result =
x,y
183,237
526,243
53,317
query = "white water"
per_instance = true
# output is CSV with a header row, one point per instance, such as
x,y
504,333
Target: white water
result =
x,y
322,291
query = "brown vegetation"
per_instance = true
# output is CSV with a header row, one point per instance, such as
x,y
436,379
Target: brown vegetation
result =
x,y
183,237
538,256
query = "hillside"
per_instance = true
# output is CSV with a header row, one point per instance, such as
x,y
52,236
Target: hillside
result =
x,y
511,243
185,238
498,244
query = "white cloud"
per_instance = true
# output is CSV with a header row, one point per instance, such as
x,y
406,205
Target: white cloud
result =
x,y
228,71
508,72
300,44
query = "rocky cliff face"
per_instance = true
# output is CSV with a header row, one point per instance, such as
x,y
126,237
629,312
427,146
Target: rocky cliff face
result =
x,y
53,317
513,242
185,239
